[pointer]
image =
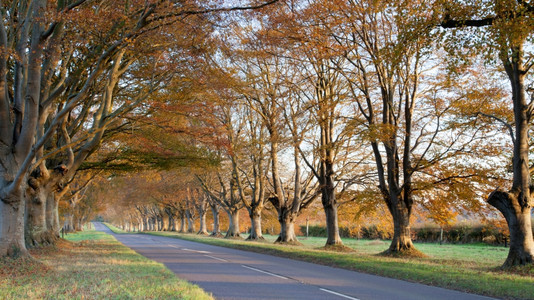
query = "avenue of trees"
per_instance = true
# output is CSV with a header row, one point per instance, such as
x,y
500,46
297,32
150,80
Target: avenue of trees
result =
x,y
194,109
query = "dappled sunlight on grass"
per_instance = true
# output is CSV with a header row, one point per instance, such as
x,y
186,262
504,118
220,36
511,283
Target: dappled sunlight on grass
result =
x,y
92,265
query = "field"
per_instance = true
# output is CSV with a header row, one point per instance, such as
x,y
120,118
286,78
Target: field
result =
x,y
471,268
91,265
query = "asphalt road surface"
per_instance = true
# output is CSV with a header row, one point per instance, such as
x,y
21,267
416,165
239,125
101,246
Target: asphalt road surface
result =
x,y
234,274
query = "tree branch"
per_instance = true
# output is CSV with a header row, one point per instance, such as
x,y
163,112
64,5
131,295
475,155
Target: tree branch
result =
x,y
506,124
212,10
449,23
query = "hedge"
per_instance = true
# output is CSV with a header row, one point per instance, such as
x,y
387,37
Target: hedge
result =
x,y
458,234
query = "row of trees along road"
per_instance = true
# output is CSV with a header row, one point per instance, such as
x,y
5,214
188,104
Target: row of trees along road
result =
x,y
337,86
396,99
401,100
70,71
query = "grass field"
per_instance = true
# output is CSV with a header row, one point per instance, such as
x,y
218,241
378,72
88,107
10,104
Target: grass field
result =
x,y
472,268
91,265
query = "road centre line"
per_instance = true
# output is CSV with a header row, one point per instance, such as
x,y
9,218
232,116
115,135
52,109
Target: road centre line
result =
x,y
338,294
216,258
265,272
197,251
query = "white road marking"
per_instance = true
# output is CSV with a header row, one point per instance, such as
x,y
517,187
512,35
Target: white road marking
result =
x,y
216,258
172,246
338,294
197,251
265,272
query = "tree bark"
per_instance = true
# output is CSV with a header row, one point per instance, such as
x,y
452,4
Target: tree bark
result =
x,y
203,226
12,227
190,222
151,222
160,222
330,205
402,240
516,205
182,222
216,222
52,214
36,225
171,220
146,224
332,225
233,224
255,221
287,228
520,226
68,225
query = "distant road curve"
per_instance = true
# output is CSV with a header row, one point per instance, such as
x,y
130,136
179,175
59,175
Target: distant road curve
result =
x,y
235,274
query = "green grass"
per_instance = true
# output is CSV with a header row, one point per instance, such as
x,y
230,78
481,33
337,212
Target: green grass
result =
x,y
472,268
115,229
91,265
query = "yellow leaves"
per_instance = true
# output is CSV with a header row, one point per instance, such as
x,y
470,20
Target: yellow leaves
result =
x,y
379,132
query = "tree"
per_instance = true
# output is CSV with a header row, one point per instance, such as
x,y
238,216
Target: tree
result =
x,y
30,81
504,29
403,108
322,89
385,66
226,196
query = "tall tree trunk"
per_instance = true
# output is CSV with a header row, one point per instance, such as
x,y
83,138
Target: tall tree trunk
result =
x,y
160,222
52,214
516,205
402,240
171,221
287,227
39,226
69,227
520,226
216,231
233,224
190,222
145,223
203,226
255,221
182,221
79,225
332,225
12,227
330,205
36,226
150,224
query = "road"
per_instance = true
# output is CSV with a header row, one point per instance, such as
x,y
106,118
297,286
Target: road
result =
x,y
235,274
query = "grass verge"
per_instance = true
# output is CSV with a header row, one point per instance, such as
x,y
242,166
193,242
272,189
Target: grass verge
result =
x,y
116,230
91,265
469,268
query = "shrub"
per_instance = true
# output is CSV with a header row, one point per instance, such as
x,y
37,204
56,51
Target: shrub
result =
x,y
480,233
427,234
314,230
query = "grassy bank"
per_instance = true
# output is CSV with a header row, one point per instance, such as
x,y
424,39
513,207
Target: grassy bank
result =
x,y
91,265
470,268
